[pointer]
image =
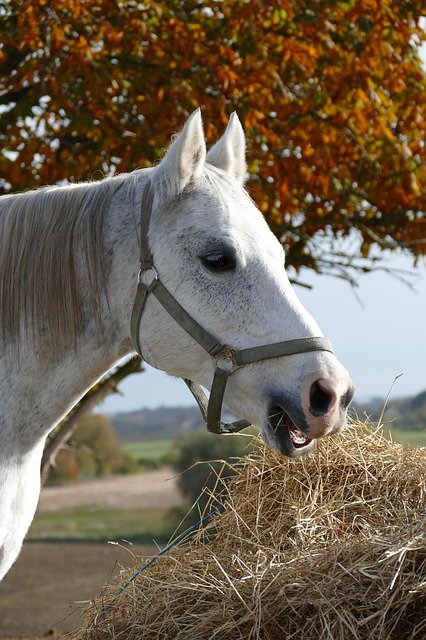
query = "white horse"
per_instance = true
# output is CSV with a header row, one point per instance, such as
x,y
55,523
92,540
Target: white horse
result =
x,y
69,260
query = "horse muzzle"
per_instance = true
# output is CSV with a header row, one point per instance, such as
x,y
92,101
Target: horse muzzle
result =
x,y
293,429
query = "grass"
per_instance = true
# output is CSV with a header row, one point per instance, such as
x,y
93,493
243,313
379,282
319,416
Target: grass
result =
x,y
152,450
134,525
155,450
417,438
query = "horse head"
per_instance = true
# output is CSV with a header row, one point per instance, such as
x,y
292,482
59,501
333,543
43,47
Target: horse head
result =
x,y
212,248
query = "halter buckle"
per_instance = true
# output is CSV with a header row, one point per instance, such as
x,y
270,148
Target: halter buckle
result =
x,y
148,277
225,359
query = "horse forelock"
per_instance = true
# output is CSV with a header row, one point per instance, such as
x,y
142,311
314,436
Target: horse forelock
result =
x,y
236,211
224,185
47,238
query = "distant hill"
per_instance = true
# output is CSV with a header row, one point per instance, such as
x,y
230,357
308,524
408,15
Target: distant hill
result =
x,y
152,424
408,413
170,422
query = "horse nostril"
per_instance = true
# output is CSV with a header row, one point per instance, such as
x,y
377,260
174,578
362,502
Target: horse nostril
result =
x,y
320,400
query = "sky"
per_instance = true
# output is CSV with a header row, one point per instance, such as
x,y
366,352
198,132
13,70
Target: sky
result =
x,y
377,334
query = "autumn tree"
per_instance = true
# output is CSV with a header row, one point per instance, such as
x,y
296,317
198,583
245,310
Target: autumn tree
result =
x,y
98,449
93,450
331,94
203,464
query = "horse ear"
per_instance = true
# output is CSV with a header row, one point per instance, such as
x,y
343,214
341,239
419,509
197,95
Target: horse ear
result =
x,y
229,153
184,159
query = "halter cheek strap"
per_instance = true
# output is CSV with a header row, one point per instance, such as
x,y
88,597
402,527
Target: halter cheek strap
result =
x,y
227,360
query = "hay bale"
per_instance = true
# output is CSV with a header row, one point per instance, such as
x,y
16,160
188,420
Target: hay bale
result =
x,y
331,546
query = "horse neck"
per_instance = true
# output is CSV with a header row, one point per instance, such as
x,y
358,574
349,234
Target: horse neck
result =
x,y
38,391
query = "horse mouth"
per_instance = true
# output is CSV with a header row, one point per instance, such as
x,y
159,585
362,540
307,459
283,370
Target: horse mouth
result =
x,y
285,435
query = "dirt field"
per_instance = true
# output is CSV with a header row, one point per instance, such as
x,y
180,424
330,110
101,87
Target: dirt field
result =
x,y
134,491
41,590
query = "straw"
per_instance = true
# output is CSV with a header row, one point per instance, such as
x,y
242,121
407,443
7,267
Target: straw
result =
x,y
328,547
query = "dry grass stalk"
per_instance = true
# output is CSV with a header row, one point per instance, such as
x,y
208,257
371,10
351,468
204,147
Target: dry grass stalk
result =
x,y
330,547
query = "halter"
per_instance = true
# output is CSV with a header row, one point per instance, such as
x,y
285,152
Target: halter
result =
x,y
227,360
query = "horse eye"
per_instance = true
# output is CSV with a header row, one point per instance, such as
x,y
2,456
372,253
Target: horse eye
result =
x,y
219,261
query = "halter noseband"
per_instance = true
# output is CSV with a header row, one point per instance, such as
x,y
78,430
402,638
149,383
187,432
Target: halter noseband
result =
x,y
227,360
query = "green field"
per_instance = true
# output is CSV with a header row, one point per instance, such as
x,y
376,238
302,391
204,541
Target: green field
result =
x,y
152,450
134,525
417,438
156,450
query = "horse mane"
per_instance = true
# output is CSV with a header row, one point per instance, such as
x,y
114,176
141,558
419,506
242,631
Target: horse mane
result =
x,y
48,238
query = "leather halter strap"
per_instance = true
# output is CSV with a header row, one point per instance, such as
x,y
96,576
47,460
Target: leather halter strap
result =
x,y
227,360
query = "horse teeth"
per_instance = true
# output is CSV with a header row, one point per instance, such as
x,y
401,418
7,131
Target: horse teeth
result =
x,y
298,437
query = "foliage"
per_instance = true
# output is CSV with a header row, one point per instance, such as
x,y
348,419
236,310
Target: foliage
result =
x,y
201,461
406,414
94,450
331,95
98,450
66,467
